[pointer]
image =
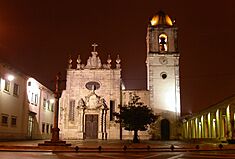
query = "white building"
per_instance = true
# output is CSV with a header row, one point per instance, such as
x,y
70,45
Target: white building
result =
x,y
26,107
163,74
40,104
94,90
92,94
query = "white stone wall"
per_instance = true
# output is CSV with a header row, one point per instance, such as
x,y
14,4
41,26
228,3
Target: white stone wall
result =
x,y
46,114
164,93
41,114
143,94
144,98
109,80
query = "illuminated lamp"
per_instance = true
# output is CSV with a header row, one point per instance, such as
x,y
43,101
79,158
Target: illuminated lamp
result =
x,y
10,77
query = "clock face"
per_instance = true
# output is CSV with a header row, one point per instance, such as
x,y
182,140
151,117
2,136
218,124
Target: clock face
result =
x,y
163,60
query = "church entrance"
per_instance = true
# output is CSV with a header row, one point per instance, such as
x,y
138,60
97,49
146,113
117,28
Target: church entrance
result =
x,y
165,129
91,126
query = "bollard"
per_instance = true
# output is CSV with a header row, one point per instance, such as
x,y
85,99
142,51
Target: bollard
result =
x,y
124,147
76,148
148,147
172,147
220,146
99,148
197,147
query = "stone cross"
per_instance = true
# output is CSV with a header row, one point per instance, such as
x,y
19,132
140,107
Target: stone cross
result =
x,y
94,45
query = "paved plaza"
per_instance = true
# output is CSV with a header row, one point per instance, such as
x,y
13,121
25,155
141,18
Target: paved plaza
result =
x,y
115,145
119,155
115,149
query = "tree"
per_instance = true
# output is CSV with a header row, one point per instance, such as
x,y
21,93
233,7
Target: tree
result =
x,y
135,116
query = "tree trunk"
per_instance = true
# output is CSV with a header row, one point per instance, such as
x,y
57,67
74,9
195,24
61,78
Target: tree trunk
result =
x,y
135,139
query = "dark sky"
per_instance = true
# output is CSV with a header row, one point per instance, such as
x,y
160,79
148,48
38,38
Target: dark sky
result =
x,y
37,37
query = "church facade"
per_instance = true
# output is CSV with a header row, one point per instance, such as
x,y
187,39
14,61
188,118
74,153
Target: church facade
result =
x,y
94,90
92,95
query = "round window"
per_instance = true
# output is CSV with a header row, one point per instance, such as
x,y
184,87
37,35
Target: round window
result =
x,y
92,85
163,75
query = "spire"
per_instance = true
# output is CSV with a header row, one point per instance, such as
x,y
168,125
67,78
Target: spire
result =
x,y
118,60
109,60
70,62
79,65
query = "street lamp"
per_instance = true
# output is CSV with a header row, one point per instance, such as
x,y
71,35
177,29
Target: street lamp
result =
x,y
10,77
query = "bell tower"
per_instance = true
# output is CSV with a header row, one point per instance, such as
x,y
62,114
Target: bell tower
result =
x,y
163,72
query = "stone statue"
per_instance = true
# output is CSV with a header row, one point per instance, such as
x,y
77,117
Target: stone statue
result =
x,y
94,61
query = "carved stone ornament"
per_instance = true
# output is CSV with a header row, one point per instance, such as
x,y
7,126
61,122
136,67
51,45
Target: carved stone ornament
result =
x,y
118,60
79,64
93,101
103,104
70,62
81,104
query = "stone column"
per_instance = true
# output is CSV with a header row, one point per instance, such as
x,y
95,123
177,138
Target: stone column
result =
x,y
189,136
209,124
102,123
83,123
232,111
105,131
184,129
196,128
193,129
214,125
57,95
55,131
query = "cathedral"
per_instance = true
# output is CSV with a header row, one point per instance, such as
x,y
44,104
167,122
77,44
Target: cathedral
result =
x,y
94,90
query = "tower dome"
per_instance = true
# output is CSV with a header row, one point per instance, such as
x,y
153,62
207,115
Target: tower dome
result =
x,y
161,19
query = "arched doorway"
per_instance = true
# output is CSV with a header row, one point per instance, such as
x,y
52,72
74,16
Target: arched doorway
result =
x,y
165,129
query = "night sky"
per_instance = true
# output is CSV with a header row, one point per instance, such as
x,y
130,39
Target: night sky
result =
x,y
37,37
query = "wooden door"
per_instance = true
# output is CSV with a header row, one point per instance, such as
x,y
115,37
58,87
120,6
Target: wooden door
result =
x,y
91,126
165,129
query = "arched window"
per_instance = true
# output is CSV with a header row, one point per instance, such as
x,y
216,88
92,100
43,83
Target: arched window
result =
x,y
162,42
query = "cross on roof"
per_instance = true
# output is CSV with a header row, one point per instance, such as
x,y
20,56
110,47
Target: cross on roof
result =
x,y
94,45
